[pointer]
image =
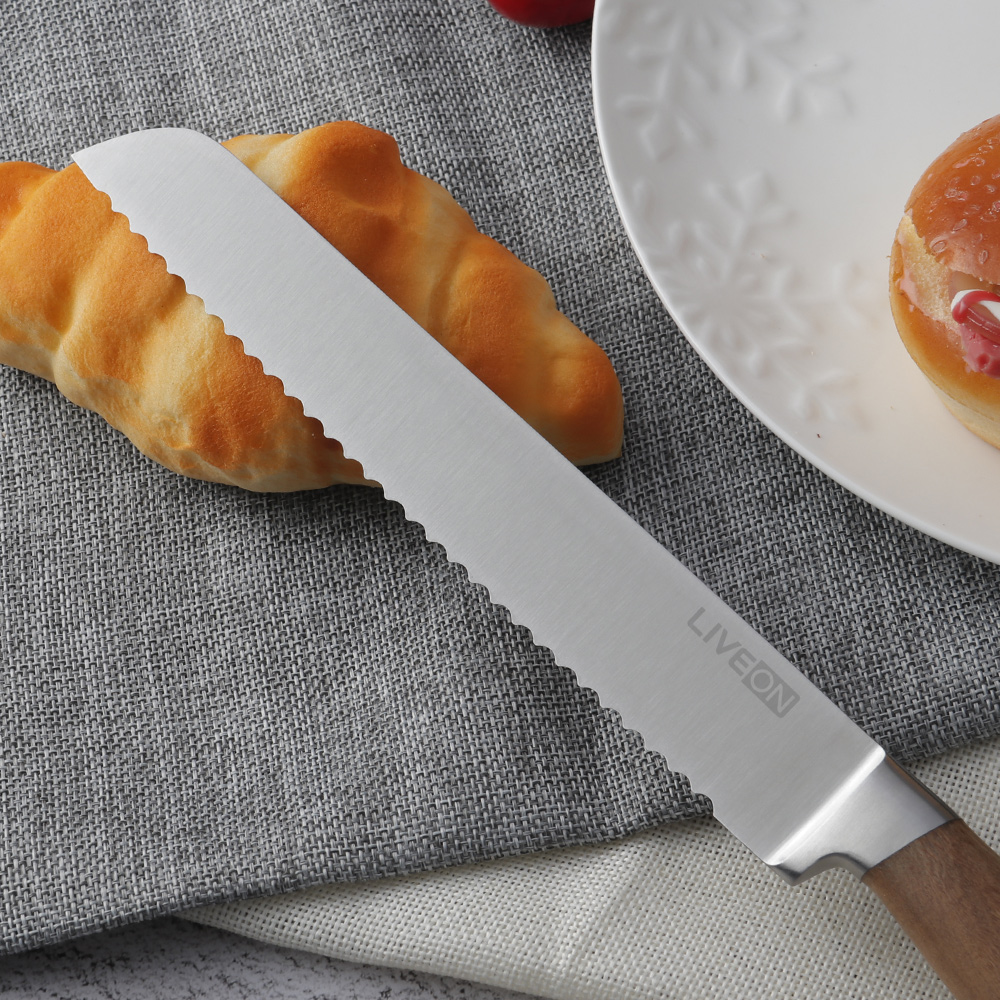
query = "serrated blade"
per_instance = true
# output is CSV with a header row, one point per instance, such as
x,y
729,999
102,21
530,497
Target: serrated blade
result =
x,y
778,760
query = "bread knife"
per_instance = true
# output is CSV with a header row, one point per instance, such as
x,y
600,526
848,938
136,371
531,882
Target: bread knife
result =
x,y
787,772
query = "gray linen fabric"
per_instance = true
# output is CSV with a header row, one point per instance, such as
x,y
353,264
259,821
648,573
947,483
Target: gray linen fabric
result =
x,y
208,694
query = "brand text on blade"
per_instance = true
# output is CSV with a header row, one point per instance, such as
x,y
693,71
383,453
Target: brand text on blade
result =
x,y
757,675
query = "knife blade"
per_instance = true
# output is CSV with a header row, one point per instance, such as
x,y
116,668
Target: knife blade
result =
x,y
787,772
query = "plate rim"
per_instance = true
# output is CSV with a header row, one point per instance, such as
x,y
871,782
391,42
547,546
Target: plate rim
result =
x,y
956,540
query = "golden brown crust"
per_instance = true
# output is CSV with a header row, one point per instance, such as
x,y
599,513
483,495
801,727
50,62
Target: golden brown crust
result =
x,y
84,304
955,206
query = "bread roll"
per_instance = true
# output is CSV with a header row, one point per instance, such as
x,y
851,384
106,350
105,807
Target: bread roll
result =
x,y
84,304
945,275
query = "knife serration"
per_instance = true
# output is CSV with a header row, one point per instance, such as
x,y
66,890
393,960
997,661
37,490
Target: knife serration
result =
x,y
778,760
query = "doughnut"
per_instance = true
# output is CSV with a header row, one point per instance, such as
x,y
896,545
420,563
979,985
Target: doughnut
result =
x,y
944,285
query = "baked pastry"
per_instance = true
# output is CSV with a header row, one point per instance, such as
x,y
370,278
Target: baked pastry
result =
x,y
84,304
945,278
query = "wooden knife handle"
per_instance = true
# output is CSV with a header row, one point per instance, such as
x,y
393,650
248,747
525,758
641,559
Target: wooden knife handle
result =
x,y
944,889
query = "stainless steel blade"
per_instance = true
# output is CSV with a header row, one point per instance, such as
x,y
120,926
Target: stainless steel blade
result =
x,y
787,772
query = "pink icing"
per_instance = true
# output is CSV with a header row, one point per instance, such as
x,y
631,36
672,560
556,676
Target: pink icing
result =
x,y
981,354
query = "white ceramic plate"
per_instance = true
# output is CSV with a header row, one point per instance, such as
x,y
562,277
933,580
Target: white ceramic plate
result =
x,y
761,152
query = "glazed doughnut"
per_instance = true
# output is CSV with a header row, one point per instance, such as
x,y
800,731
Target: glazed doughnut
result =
x,y
945,278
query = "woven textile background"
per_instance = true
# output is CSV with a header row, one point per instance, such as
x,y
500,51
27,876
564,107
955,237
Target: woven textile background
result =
x,y
208,694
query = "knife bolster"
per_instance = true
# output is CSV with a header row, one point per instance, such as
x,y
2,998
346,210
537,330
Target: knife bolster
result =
x,y
879,815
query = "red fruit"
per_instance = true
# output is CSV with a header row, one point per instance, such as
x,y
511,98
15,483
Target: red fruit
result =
x,y
545,13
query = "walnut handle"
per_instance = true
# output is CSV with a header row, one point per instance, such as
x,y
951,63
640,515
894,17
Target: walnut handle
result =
x,y
944,889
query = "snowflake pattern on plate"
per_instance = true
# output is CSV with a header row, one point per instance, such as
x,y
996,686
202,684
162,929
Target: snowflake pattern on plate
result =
x,y
755,314
760,158
750,307
734,45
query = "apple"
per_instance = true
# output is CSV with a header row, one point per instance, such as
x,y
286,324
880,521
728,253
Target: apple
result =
x,y
545,13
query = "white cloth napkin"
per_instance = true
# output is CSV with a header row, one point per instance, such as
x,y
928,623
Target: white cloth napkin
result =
x,y
683,912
